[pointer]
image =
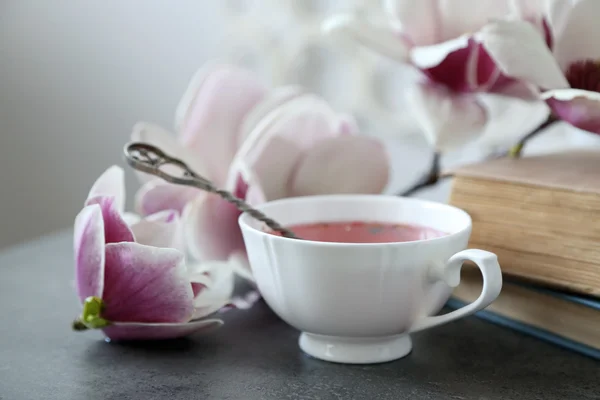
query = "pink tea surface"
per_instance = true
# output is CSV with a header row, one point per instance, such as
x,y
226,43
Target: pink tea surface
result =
x,y
363,232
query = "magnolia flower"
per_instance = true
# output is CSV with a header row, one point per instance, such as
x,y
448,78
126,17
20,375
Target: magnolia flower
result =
x,y
463,93
568,74
132,279
261,145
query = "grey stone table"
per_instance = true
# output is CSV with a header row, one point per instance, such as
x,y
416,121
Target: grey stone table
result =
x,y
253,356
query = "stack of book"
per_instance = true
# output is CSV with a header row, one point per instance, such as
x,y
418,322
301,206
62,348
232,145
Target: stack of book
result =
x,y
541,216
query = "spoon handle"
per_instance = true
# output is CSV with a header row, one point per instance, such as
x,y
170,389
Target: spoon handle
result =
x,y
151,160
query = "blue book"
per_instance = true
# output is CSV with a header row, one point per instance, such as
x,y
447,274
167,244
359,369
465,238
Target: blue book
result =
x,y
567,320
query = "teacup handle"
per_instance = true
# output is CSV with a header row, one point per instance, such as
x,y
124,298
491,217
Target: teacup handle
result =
x,y
450,273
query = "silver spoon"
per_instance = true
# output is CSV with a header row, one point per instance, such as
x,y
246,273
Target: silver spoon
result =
x,y
150,159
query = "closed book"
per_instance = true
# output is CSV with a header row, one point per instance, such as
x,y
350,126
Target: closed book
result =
x,y
566,320
539,214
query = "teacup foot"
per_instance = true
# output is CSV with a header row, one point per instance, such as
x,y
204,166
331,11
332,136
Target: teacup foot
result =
x,y
349,350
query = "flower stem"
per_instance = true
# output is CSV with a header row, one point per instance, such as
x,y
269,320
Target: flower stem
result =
x,y
78,325
515,151
431,178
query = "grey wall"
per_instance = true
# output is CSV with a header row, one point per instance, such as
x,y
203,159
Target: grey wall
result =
x,y
76,75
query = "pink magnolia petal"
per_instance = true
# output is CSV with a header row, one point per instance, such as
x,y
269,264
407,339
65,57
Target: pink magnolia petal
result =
x,y
273,100
211,229
274,147
166,141
520,51
461,64
347,125
122,331
157,195
579,108
453,63
111,183
255,195
115,228
89,252
448,120
418,20
346,164
376,38
162,229
191,91
145,284
215,116
579,37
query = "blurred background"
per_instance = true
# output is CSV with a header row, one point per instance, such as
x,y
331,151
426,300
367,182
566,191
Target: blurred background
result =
x,y
75,76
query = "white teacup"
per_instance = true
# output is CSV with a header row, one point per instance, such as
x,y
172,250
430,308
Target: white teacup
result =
x,y
358,302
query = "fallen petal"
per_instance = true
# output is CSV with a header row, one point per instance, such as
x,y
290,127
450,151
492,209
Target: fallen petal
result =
x,y
221,286
345,164
89,252
146,284
115,228
579,108
122,331
111,183
247,301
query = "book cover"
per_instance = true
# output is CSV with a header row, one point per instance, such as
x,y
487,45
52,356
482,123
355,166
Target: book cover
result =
x,y
566,320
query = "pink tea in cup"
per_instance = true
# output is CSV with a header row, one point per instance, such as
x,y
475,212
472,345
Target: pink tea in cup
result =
x,y
362,232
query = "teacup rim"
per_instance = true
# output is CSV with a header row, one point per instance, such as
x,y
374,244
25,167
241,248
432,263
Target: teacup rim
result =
x,y
244,217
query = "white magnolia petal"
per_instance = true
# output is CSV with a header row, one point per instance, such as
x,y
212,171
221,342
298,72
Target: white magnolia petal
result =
x,y
111,183
222,282
448,120
162,229
579,38
131,218
460,16
419,20
557,13
570,94
379,39
430,56
510,119
521,52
